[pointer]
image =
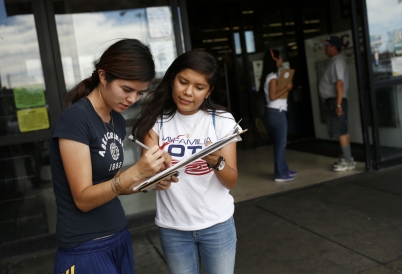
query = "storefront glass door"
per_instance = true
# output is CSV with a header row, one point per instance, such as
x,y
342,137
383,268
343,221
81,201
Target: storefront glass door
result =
x,y
24,108
23,105
385,34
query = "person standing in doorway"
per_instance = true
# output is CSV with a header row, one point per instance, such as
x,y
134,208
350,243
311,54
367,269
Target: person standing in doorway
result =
x,y
275,117
333,89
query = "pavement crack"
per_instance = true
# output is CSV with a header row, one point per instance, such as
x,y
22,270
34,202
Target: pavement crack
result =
x,y
377,189
154,247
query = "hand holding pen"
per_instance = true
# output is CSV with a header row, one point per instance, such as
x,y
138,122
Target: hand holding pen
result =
x,y
168,159
165,184
132,138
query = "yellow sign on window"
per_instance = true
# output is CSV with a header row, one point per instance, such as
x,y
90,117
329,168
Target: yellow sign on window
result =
x,y
33,119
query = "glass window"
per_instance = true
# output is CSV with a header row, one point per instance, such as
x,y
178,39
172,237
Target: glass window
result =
x,y
385,29
250,45
23,106
27,206
389,109
85,31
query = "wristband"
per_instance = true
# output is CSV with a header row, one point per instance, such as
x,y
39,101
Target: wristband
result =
x,y
338,106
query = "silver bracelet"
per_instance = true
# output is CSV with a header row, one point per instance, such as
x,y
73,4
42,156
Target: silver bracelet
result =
x,y
116,187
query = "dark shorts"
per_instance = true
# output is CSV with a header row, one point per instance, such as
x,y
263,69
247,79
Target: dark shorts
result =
x,y
337,125
110,255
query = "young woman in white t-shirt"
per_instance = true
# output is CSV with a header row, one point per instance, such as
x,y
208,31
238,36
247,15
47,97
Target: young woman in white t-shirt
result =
x,y
195,216
275,117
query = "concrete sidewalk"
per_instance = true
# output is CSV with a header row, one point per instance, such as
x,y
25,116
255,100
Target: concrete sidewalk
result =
x,y
350,225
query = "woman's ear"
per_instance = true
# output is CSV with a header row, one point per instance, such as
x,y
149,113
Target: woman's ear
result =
x,y
102,76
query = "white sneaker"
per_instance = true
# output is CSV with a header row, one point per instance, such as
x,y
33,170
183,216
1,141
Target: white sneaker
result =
x,y
340,160
344,166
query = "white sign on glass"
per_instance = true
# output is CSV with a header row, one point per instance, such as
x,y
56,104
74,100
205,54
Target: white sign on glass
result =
x,y
396,66
159,22
164,54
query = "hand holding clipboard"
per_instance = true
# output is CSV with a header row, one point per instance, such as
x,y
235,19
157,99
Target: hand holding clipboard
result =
x,y
161,178
285,78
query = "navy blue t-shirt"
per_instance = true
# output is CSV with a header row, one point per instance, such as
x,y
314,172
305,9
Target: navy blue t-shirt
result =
x,y
81,123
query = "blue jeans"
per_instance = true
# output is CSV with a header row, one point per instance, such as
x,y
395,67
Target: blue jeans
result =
x,y
277,125
214,246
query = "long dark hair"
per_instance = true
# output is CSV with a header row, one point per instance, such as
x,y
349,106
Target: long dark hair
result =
x,y
268,66
126,59
159,102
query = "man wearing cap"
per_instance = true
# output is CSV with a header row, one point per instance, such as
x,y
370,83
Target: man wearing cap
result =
x,y
333,88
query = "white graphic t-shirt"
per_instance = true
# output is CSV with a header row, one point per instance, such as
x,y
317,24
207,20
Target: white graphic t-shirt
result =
x,y
198,200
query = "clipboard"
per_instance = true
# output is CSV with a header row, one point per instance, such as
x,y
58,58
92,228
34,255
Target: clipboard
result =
x,y
285,78
150,183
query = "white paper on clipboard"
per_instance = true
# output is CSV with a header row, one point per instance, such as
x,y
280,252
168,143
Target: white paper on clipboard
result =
x,y
150,183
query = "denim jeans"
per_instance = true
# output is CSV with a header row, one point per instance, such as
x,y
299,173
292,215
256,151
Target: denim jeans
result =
x,y
277,125
214,246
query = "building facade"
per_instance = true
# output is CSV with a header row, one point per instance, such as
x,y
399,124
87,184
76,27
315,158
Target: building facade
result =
x,y
48,46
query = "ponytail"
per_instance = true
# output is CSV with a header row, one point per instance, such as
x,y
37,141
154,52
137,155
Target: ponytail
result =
x,y
83,88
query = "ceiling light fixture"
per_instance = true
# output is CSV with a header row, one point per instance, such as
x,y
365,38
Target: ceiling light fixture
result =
x,y
215,40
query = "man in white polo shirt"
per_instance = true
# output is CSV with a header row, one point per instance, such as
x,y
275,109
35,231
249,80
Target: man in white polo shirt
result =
x,y
333,89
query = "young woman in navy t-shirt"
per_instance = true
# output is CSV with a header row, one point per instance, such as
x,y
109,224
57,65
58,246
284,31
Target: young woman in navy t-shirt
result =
x,y
87,154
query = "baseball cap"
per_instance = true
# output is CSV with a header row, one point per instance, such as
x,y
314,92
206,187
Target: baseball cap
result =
x,y
333,41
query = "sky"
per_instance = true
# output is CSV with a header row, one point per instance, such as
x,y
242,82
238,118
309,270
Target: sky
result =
x,y
383,17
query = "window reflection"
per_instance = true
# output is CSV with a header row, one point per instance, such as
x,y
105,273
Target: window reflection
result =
x,y
22,89
27,205
385,27
389,108
83,37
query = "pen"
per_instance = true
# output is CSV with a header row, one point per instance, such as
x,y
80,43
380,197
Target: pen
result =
x,y
235,128
132,138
